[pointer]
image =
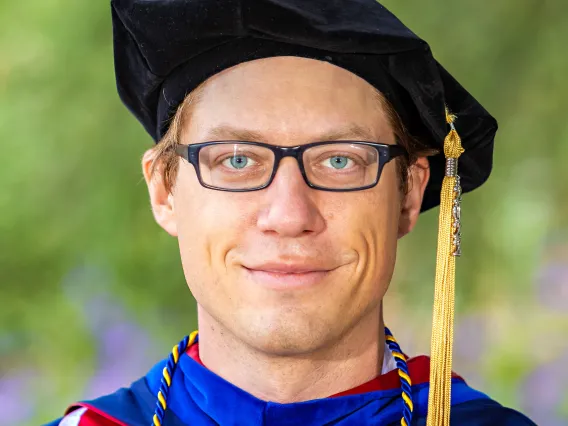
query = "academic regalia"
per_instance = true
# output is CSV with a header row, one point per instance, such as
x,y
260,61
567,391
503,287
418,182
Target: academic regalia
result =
x,y
201,398
164,49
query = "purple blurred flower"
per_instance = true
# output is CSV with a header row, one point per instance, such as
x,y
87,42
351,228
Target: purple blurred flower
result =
x,y
124,351
543,391
470,341
552,284
16,403
470,346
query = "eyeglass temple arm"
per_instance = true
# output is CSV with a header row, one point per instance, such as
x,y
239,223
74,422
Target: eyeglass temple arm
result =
x,y
182,151
396,151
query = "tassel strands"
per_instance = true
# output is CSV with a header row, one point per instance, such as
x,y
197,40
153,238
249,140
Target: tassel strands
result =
x,y
449,248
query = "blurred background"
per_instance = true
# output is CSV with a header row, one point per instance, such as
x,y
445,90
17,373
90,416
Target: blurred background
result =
x,y
92,292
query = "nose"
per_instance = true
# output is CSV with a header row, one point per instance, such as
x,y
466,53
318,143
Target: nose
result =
x,y
290,209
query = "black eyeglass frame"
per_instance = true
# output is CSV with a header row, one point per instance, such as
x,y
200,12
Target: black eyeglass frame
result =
x,y
386,153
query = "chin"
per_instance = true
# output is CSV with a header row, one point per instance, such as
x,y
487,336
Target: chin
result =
x,y
288,333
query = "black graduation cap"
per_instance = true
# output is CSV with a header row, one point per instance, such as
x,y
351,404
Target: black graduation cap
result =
x,y
165,48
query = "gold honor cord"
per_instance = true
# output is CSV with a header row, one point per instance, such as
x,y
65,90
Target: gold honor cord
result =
x,y
444,291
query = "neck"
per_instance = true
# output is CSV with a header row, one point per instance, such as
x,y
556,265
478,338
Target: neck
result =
x,y
352,360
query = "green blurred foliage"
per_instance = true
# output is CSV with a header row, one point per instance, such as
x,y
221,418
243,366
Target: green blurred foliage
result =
x,y
72,196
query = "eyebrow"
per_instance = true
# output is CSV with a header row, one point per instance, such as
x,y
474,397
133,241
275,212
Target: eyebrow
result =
x,y
345,132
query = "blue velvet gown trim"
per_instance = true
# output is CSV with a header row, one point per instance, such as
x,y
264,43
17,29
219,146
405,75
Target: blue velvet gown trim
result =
x,y
200,398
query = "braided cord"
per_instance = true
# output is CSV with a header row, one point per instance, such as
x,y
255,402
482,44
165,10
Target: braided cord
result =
x,y
167,374
405,382
187,341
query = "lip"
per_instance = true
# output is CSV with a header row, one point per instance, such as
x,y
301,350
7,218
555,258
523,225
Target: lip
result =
x,y
287,276
287,268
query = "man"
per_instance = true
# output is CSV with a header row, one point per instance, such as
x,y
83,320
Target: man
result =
x,y
297,142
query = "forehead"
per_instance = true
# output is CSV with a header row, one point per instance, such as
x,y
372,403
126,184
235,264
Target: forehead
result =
x,y
287,100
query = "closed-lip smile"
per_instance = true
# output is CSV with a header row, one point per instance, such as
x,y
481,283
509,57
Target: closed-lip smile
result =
x,y
287,268
286,275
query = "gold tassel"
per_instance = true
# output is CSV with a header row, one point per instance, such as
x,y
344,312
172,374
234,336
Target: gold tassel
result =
x,y
444,292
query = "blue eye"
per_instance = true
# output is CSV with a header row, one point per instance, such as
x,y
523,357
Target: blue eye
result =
x,y
338,162
238,161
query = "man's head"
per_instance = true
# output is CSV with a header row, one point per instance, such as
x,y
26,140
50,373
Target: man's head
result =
x,y
235,246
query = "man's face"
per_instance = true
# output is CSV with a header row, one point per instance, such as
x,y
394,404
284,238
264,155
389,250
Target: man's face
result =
x,y
287,269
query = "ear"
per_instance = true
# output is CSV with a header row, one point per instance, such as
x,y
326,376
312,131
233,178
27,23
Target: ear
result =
x,y
418,176
161,199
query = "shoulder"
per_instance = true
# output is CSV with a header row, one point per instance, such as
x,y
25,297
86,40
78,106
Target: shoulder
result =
x,y
481,412
127,406
84,417
133,405
486,412
470,407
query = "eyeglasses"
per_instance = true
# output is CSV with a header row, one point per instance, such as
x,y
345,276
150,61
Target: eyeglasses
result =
x,y
250,166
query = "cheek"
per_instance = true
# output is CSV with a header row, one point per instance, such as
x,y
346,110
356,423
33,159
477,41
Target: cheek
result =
x,y
369,225
209,224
